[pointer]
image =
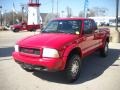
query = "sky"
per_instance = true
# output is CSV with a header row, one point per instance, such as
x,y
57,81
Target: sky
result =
x,y
75,5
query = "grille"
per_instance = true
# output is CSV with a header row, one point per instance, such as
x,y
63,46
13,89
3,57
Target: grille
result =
x,y
30,51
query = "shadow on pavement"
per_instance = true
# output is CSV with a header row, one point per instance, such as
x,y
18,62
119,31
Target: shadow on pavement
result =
x,y
93,66
57,77
6,51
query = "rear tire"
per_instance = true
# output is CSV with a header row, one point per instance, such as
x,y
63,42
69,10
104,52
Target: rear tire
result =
x,y
28,69
104,50
73,67
16,30
32,30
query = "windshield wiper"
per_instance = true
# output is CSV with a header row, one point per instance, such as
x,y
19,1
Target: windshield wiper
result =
x,y
58,31
49,31
61,31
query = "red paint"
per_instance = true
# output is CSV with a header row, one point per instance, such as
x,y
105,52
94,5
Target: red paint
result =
x,y
24,26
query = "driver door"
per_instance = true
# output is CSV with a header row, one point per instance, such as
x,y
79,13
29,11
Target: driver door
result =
x,y
87,44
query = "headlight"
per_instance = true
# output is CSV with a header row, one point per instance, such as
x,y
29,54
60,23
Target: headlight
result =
x,y
16,48
48,52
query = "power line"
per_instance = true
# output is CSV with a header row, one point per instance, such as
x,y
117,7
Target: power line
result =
x,y
52,6
85,8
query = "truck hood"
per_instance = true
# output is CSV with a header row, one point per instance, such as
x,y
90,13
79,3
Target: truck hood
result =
x,y
51,40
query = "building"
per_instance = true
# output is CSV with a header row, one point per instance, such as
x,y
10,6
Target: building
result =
x,y
105,20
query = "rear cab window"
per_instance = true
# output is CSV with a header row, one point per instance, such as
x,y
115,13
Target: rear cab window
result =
x,y
87,27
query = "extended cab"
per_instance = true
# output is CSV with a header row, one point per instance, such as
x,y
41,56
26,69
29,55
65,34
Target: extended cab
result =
x,y
61,45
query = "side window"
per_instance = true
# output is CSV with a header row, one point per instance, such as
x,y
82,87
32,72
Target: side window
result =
x,y
94,25
87,27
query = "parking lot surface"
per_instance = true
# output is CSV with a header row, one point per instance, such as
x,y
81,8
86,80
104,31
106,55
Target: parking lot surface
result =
x,y
97,73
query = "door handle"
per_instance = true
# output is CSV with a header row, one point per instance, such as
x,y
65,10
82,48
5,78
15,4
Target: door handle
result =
x,y
84,38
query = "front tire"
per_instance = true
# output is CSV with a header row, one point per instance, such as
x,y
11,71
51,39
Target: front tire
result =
x,y
73,68
27,68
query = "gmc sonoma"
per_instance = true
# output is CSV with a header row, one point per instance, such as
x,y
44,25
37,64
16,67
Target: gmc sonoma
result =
x,y
61,45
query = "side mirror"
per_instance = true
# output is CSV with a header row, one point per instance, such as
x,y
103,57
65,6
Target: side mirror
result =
x,y
95,28
87,31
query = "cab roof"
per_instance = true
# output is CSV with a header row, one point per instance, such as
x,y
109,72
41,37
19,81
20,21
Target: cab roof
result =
x,y
74,18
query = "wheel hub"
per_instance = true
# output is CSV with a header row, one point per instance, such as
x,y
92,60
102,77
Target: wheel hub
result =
x,y
75,68
106,48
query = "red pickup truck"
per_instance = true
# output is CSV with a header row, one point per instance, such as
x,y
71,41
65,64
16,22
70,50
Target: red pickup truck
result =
x,y
61,45
24,26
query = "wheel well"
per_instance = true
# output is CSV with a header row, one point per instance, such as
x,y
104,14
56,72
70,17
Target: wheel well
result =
x,y
107,39
75,51
17,29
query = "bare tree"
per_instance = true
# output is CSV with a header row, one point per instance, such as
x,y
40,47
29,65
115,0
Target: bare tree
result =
x,y
81,14
49,17
90,13
17,17
99,11
96,11
69,11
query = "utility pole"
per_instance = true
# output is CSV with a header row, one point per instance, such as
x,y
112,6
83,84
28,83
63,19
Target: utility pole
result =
x,y
52,6
117,6
57,8
85,8
13,17
5,18
117,9
1,14
13,13
22,6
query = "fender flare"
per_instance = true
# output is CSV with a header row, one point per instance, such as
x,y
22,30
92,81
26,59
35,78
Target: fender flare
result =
x,y
106,39
67,52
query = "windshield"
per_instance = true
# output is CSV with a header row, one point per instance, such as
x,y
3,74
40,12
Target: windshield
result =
x,y
63,26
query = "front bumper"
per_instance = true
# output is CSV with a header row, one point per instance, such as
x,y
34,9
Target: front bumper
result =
x,y
50,64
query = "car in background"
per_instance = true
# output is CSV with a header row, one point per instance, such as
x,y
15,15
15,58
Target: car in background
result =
x,y
23,26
